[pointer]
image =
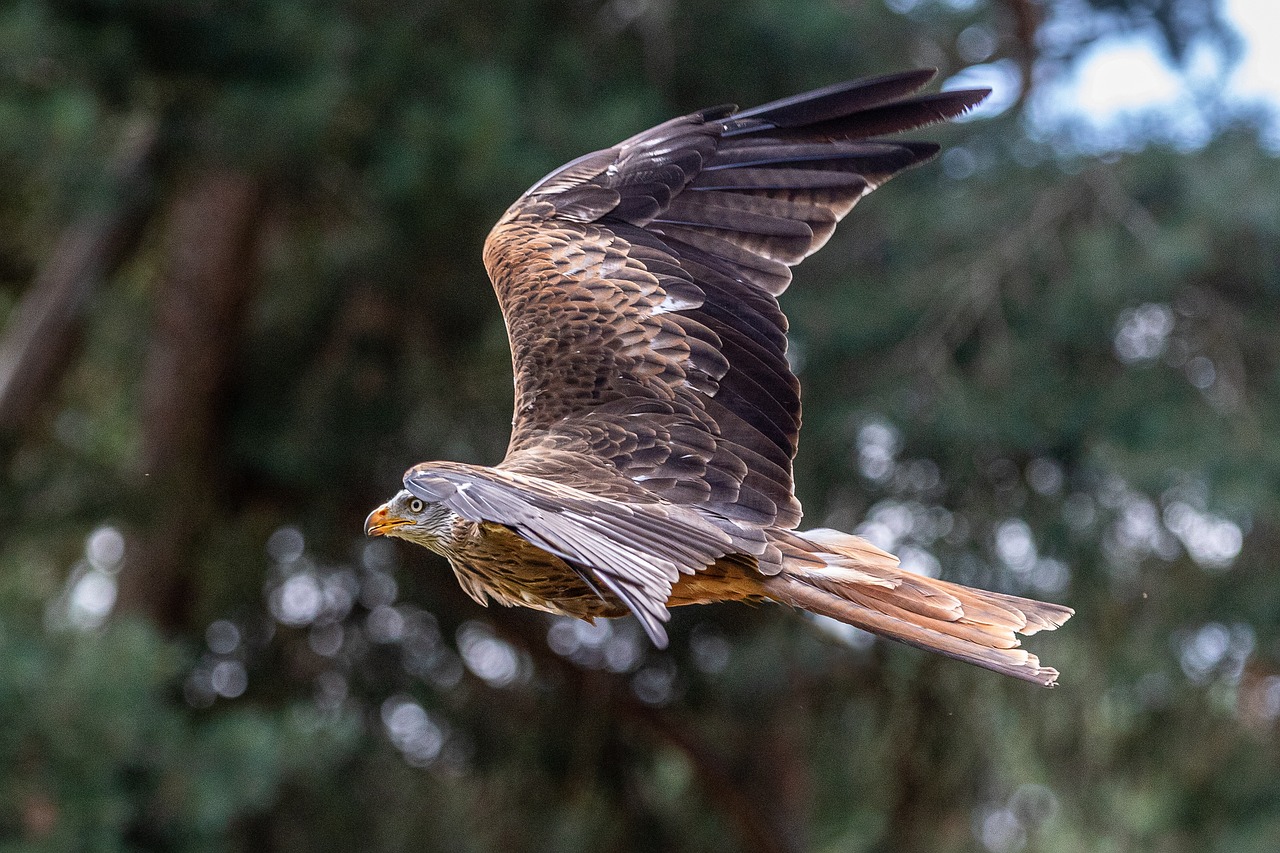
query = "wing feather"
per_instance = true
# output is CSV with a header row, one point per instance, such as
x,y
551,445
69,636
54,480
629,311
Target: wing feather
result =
x,y
639,285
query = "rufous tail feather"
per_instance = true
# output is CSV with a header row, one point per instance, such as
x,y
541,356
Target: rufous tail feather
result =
x,y
847,578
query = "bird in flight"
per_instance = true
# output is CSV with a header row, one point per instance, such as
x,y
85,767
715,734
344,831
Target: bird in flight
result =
x,y
656,416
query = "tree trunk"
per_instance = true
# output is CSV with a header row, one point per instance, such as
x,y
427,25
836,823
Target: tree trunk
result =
x,y
200,307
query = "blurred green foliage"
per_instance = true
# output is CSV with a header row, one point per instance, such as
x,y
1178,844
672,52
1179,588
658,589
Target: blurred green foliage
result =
x,y
1029,370
100,754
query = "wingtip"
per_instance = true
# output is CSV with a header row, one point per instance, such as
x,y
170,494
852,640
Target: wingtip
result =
x,y
656,633
843,98
968,98
944,106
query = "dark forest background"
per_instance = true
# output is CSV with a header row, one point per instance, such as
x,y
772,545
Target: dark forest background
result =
x,y
241,292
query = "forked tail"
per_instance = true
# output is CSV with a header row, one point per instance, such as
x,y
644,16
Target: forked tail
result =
x,y
847,578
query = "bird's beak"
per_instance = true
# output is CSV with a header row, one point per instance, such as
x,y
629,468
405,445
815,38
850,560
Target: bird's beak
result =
x,y
381,521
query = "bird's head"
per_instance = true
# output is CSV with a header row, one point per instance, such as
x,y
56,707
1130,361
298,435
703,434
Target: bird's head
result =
x,y
410,517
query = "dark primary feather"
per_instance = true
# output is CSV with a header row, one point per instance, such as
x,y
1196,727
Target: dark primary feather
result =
x,y
834,101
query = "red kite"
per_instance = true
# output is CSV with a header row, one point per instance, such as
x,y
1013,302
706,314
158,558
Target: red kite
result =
x,y
656,416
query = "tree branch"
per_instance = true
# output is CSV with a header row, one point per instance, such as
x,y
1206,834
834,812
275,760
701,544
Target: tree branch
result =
x,y
199,314
39,339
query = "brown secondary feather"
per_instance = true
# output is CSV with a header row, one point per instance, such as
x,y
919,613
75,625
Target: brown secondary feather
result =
x,y
656,415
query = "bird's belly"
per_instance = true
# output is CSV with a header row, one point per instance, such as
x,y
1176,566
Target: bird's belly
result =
x,y
500,564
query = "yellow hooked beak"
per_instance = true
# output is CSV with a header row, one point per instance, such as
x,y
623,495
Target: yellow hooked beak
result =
x,y
380,522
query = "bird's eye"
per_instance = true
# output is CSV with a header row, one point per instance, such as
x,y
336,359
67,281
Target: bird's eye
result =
x,y
416,505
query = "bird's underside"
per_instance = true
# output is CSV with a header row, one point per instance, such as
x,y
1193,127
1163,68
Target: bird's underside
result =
x,y
656,416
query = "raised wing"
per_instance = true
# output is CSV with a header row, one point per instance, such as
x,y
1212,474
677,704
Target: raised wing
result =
x,y
639,286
